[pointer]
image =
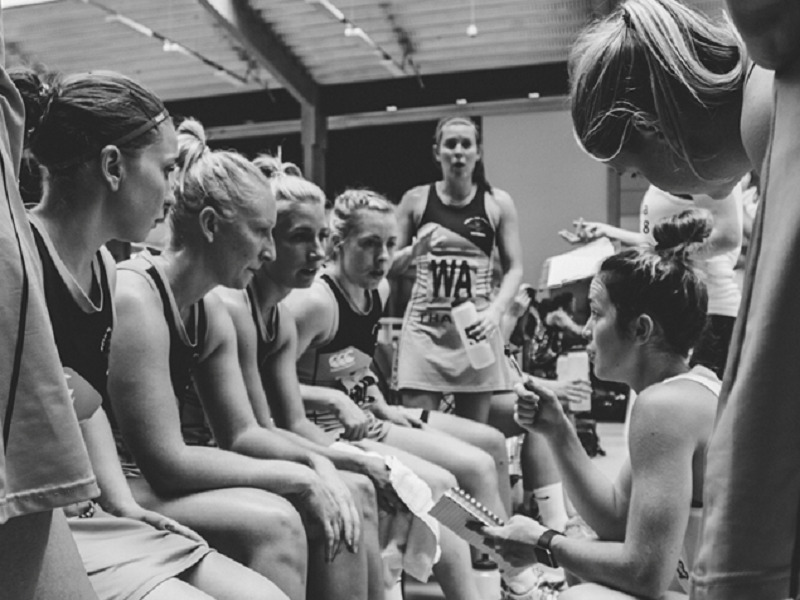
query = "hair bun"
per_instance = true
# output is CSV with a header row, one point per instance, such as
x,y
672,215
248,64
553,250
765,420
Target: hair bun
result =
x,y
191,143
271,166
682,234
38,94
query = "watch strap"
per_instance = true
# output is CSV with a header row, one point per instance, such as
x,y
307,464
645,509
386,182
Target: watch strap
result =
x,y
542,550
547,538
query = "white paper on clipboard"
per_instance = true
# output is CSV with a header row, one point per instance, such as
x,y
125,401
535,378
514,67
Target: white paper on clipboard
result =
x,y
577,264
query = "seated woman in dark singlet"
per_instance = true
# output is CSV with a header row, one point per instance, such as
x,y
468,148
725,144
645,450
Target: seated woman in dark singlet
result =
x,y
108,149
170,337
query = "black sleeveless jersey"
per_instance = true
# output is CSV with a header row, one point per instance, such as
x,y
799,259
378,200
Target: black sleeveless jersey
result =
x,y
82,337
469,221
266,327
183,360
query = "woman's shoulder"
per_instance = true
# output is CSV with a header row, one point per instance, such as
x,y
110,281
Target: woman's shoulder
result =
x,y
314,302
682,404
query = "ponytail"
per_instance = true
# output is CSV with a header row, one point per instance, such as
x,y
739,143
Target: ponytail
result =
x,y
221,179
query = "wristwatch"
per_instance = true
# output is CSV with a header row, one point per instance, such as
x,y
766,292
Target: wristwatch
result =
x,y
544,554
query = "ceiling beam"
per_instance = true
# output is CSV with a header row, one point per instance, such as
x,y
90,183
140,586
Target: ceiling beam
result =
x,y
378,118
247,27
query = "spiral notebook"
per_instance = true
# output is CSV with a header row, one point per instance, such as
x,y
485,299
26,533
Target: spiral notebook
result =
x,y
456,509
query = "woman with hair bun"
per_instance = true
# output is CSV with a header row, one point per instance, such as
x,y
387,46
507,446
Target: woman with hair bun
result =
x,y
648,307
661,89
108,150
173,337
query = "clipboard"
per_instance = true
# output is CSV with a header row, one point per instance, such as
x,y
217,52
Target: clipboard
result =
x,y
455,509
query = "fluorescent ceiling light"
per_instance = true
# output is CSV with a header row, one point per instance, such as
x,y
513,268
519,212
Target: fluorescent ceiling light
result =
x,y
16,3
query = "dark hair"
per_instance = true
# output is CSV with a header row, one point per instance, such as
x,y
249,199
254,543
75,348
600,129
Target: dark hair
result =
x,y
562,301
479,174
661,282
647,64
68,119
222,179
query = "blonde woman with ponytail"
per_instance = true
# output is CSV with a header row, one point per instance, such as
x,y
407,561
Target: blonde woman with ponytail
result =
x,y
172,339
658,88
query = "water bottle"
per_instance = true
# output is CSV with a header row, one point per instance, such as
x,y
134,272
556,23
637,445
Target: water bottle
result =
x,y
487,578
479,353
573,366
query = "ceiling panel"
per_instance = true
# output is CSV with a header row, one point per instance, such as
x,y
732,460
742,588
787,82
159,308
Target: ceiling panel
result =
x,y
73,35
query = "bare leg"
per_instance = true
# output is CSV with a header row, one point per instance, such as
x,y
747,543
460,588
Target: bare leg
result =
x,y
593,591
254,527
487,438
538,465
175,589
473,468
454,569
474,406
364,492
420,399
225,579
39,560
347,577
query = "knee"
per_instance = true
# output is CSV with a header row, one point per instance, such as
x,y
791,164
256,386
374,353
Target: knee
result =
x,y
276,524
494,442
482,468
440,480
363,491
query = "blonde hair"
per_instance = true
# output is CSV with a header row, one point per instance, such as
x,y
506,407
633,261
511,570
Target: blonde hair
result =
x,y
347,206
222,179
647,64
288,184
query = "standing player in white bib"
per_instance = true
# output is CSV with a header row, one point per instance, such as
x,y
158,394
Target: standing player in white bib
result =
x,y
459,222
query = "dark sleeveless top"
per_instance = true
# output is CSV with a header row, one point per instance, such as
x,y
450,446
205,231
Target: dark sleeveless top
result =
x,y
343,363
183,360
82,337
469,221
355,329
266,327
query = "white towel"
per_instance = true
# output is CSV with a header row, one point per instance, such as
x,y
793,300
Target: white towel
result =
x,y
409,539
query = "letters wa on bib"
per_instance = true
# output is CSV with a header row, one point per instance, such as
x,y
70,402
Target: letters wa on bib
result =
x,y
431,356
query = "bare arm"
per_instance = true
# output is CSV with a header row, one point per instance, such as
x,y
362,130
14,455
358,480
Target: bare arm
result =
x,y
315,317
226,401
592,230
769,29
147,412
510,249
406,230
663,442
601,502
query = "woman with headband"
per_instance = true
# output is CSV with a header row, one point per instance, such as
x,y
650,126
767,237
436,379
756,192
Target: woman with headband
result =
x,y
43,461
108,150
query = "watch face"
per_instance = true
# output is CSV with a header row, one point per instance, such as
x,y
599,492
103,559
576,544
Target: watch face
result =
x,y
545,557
